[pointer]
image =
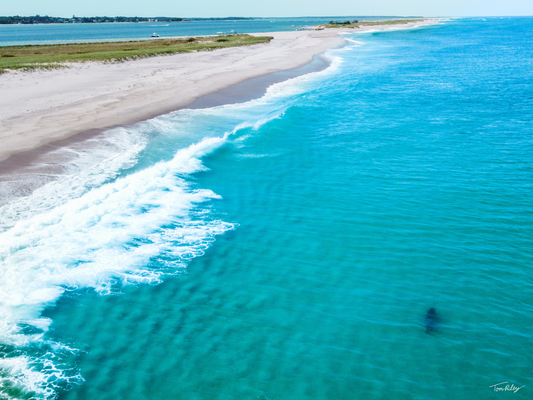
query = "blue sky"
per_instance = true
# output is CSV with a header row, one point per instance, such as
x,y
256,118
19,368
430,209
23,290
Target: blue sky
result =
x,y
267,8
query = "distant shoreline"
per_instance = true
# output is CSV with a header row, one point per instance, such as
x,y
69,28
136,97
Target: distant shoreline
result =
x,y
47,20
46,106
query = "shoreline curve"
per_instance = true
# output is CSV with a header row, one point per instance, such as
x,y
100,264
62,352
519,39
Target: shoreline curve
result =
x,y
43,107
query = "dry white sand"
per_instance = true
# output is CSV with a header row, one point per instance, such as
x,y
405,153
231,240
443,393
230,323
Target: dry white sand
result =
x,y
40,107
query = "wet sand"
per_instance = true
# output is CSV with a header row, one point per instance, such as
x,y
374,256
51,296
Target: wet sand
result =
x,y
48,118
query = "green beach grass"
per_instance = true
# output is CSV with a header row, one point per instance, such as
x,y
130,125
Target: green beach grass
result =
x,y
54,56
369,23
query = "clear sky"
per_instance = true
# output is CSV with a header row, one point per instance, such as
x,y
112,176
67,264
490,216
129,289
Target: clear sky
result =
x,y
266,8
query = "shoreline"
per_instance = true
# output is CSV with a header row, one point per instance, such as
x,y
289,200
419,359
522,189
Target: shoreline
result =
x,y
24,172
73,104
42,107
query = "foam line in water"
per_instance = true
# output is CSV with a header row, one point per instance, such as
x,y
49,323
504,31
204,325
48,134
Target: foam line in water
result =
x,y
132,230
97,229
99,161
37,378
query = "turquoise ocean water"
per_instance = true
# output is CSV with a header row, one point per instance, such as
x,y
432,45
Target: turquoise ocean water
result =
x,y
289,247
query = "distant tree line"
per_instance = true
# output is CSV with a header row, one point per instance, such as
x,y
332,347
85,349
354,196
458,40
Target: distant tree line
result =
x,y
344,22
38,19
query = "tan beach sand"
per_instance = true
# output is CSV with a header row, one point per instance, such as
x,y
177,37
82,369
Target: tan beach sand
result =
x,y
40,107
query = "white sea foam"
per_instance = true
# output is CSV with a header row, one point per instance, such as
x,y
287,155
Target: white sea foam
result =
x,y
95,229
100,160
27,377
132,230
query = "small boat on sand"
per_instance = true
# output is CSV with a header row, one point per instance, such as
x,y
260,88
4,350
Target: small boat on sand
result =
x,y
155,35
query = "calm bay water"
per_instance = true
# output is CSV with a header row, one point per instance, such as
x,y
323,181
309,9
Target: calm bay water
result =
x,y
11,35
289,247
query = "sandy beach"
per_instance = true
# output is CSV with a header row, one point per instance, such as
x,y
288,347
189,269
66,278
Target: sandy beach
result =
x,y
49,105
320,214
